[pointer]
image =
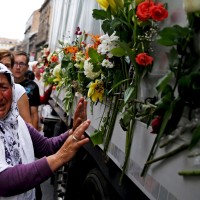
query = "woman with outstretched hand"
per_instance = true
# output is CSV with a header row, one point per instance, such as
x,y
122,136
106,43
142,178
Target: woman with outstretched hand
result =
x,y
20,143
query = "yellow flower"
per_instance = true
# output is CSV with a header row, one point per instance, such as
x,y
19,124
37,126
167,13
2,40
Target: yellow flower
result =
x,y
96,91
112,5
103,4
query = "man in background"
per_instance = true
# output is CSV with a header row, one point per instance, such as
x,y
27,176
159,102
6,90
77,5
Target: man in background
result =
x,y
19,69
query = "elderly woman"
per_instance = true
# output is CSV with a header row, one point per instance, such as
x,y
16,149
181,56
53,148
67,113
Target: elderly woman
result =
x,y
7,58
20,143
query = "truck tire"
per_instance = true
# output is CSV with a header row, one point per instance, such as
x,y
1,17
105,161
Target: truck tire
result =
x,y
95,186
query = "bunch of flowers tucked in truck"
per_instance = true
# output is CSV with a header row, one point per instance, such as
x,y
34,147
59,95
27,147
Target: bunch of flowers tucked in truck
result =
x,y
109,68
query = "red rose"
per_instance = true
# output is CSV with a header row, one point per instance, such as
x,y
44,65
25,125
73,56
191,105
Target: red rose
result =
x,y
54,58
155,124
144,59
143,10
158,12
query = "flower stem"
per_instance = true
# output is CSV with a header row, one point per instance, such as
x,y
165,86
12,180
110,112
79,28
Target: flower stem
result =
x,y
112,123
158,137
129,138
190,173
130,131
171,153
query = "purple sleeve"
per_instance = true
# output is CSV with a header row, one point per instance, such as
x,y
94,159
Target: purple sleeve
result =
x,y
21,178
44,146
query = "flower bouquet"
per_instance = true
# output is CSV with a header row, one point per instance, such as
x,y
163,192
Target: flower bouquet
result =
x,y
109,68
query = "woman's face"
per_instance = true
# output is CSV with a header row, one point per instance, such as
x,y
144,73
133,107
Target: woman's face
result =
x,y
5,96
6,61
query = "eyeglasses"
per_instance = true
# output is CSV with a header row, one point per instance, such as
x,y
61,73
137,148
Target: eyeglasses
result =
x,y
20,64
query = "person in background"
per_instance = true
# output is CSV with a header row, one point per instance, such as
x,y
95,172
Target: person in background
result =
x,y
20,143
45,90
19,69
7,58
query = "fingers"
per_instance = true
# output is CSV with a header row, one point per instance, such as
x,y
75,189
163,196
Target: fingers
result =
x,y
79,108
72,144
80,130
77,122
85,110
80,114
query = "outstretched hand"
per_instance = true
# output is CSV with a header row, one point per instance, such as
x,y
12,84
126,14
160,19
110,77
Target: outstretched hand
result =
x,y
68,150
80,114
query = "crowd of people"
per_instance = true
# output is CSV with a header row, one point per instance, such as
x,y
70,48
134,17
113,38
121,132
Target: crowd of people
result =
x,y
32,91
27,157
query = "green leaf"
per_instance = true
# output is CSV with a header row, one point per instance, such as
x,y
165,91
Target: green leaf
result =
x,y
118,52
173,57
128,50
96,68
117,85
115,23
195,137
93,55
166,42
170,36
96,137
166,118
164,81
124,122
166,99
106,27
100,14
126,118
129,93
167,90
177,113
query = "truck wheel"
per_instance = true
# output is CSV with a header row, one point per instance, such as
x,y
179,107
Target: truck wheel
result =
x,y
95,186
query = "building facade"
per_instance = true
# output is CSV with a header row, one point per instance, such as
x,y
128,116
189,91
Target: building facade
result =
x,y
42,39
6,43
36,34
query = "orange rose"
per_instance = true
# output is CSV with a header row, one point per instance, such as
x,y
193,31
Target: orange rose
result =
x,y
144,59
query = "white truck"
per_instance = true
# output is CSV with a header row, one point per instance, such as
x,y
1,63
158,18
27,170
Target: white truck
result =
x,y
91,174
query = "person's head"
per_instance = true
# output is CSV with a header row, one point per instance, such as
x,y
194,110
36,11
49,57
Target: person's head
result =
x,y
6,91
20,65
29,75
37,71
6,58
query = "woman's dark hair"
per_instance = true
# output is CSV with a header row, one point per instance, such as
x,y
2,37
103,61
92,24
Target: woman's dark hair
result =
x,y
29,75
